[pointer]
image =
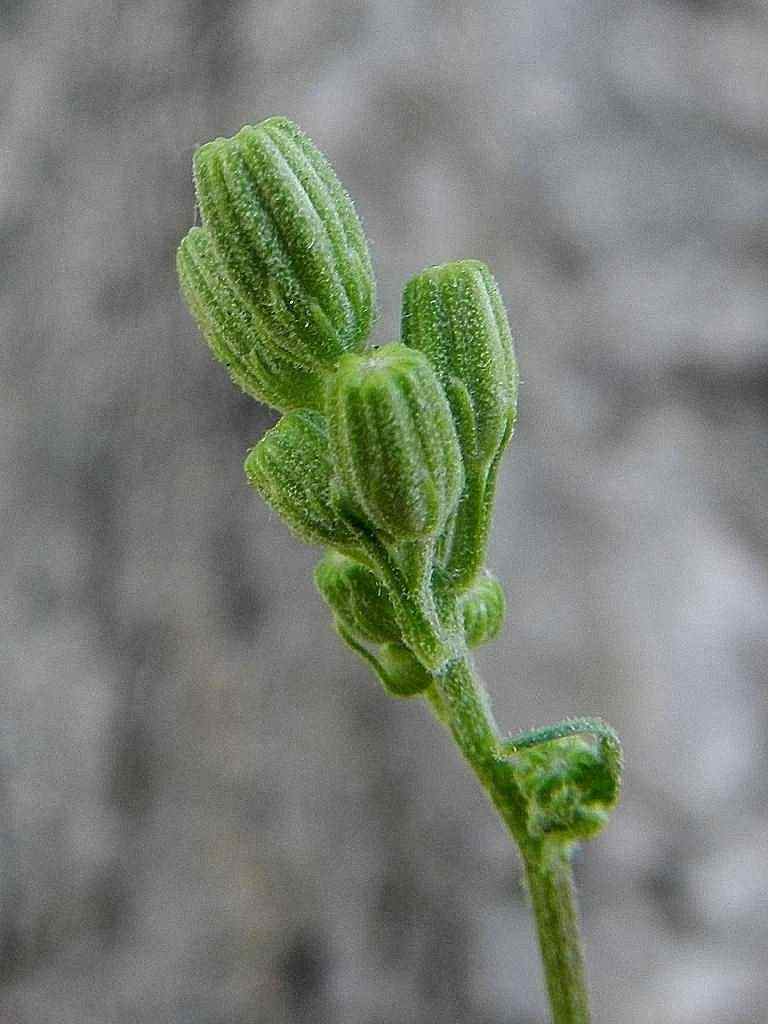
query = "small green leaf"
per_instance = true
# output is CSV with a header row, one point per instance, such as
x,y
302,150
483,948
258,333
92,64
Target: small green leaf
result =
x,y
571,785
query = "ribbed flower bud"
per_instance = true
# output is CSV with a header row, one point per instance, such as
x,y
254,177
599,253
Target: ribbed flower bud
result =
x,y
291,468
401,673
357,598
289,238
238,335
482,608
394,442
454,314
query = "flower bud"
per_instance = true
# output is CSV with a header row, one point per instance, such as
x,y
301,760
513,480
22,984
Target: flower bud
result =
x,y
237,335
454,314
291,468
289,238
394,442
483,607
358,599
401,673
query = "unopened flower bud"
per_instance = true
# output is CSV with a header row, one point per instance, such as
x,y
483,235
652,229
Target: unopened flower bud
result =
x,y
454,314
291,468
289,238
358,599
394,442
238,335
402,674
482,608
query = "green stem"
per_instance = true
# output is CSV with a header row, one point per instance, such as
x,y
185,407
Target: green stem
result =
x,y
459,700
550,884
469,537
470,530
416,613
414,559
467,713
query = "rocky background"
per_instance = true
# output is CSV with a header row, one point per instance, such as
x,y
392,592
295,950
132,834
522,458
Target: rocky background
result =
x,y
210,812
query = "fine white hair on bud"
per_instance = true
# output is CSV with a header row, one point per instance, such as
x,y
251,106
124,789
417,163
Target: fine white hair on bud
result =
x,y
238,335
394,442
454,314
289,239
358,599
291,468
482,608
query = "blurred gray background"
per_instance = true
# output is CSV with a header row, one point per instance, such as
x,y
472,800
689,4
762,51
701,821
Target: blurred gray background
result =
x,y
210,812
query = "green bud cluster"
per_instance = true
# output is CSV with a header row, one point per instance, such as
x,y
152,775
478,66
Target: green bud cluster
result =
x,y
387,457
384,455
362,605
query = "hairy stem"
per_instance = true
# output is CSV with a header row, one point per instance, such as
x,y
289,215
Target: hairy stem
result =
x,y
470,530
550,884
459,700
469,538
416,613
467,713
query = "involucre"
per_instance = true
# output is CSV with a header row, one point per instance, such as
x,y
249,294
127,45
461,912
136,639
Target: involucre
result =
x,y
454,314
288,236
291,468
394,442
238,335
482,608
358,599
